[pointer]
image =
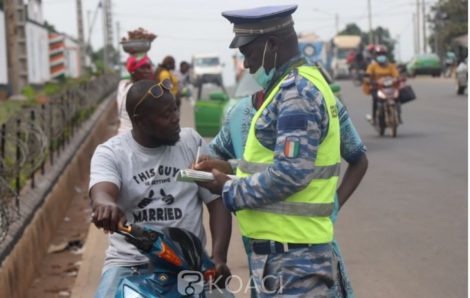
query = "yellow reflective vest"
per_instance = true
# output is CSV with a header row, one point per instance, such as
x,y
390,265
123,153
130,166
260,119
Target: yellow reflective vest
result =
x,y
304,216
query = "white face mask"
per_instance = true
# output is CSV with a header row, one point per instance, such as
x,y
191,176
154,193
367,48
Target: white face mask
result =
x,y
260,75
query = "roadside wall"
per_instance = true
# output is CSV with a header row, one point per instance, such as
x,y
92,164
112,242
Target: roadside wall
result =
x,y
18,269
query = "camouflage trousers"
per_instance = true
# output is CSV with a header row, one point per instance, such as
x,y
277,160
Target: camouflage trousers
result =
x,y
305,272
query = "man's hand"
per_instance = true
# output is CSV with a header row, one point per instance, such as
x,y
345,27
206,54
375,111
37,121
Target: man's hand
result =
x,y
217,185
223,275
107,216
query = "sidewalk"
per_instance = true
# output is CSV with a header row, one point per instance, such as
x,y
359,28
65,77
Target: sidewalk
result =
x,y
96,244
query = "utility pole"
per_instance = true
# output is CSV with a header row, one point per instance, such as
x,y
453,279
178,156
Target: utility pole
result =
x,y
17,58
371,34
81,38
107,31
425,41
415,27
418,26
398,47
118,46
337,23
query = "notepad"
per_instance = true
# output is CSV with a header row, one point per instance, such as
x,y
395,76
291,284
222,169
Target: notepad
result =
x,y
189,175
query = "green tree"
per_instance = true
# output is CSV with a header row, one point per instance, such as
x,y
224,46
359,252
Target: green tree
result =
x,y
351,29
448,19
50,28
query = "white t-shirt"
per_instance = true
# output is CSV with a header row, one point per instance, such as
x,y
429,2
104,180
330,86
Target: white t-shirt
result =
x,y
125,123
149,193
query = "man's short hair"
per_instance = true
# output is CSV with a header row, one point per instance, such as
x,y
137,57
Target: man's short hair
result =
x,y
135,93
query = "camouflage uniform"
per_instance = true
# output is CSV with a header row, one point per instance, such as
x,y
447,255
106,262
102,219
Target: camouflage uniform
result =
x,y
306,272
298,110
296,116
229,142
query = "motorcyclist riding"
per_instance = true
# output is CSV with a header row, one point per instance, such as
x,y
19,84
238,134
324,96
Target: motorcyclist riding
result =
x,y
379,68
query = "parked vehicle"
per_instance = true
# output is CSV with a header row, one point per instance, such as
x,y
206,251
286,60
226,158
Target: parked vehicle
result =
x,y
427,64
206,68
209,114
342,46
462,77
173,252
386,115
313,48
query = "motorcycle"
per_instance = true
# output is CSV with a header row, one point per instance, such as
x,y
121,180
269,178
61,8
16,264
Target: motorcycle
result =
x,y
357,76
181,266
386,115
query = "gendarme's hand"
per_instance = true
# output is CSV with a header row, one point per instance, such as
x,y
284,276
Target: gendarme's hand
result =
x,y
208,164
217,185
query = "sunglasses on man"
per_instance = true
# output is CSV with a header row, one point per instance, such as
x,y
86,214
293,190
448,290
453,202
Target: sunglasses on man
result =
x,y
156,91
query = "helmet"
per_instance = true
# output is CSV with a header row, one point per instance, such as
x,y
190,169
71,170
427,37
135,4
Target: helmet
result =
x,y
370,48
380,50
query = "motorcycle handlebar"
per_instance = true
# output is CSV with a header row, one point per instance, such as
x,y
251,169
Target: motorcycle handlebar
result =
x,y
124,228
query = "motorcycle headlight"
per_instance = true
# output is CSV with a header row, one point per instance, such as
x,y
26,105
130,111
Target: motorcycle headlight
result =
x,y
388,83
131,293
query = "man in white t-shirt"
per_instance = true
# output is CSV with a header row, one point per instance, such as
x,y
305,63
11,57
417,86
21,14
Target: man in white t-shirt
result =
x,y
133,180
140,68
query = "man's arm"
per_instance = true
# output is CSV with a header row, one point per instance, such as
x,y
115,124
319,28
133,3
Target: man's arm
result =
x,y
220,222
221,145
106,214
351,179
353,151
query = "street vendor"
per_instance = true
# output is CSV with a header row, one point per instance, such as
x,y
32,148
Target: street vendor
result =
x,y
139,66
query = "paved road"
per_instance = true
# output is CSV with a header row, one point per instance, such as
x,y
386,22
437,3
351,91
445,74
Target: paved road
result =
x,y
404,232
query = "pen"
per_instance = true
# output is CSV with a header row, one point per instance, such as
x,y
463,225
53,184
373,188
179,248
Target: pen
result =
x,y
198,152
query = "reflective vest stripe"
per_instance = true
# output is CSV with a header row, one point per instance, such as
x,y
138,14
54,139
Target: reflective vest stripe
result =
x,y
319,172
299,209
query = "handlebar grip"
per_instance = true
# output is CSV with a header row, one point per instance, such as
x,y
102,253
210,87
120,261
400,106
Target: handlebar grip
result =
x,y
124,228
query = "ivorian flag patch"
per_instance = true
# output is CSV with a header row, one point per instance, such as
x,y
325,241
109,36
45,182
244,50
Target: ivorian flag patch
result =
x,y
291,147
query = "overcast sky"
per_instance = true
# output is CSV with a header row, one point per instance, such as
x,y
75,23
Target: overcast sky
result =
x,y
186,27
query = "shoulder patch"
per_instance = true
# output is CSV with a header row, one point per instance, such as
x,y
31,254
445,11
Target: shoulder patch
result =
x,y
291,147
288,81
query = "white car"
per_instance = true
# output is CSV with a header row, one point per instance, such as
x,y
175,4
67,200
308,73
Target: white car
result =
x,y
206,68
